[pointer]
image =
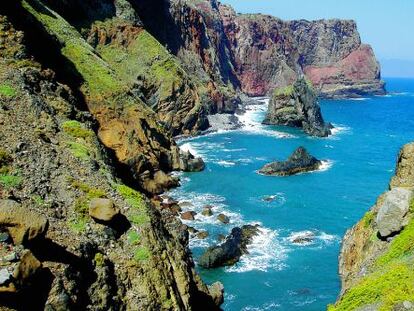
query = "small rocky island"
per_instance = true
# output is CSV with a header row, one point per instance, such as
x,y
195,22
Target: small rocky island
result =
x,y
299,162
229,252
297,106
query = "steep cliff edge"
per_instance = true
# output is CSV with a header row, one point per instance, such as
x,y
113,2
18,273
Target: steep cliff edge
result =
x,y
297,106
377,255
143,146
73,236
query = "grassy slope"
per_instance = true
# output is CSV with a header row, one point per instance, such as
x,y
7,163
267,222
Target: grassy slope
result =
x,y
390,280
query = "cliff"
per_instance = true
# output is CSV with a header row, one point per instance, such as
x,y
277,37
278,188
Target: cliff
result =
x,y
73,234
258,53
297,106
376,261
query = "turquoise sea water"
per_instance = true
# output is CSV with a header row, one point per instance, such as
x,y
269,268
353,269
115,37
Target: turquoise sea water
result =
x,y
359,160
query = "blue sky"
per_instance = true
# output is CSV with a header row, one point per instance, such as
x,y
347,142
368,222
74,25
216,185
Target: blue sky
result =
x,y
388,25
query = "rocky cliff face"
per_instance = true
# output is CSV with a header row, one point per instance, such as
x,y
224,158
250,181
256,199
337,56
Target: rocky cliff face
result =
x,y
258,53
271,53
73,236
297,106
376,261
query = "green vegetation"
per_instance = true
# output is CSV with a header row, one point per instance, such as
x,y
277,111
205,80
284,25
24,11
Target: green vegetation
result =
x,y
38,200
133,237
79,150
76,129
368,219
411,209
99,259
99,78
138,214
78,224
7,90
284,91
10,181
5,160
91,192
392,277
286,110
401,246
387,287
142,254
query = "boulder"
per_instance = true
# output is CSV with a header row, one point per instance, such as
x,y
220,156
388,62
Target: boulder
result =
x,y
305,237
223,218
217,292
102,209
188,215
189,163
202,235
22,224
229,252
391,214
207,211
299,162
17,275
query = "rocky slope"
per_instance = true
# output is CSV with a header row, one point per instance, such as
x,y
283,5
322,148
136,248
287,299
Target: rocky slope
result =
x,y
258,53
73,234
297,106
377,258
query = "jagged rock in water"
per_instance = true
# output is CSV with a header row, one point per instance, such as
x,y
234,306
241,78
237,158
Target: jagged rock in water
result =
x,y
297,106
189,163
188,215
223,219
230,251
299,162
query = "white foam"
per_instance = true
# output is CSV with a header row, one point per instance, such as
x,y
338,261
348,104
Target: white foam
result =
x,y
251,121
226,163
277,199
359,98
315,237
326,165
264,253
189,147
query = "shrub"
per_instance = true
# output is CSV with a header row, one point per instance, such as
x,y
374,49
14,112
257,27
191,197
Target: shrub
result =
x,y
76,129
7,90
142,254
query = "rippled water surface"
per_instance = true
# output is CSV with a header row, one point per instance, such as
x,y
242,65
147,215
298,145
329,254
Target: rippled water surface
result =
x,y
358,162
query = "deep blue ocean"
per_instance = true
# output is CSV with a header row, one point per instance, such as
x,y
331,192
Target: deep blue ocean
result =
x,y
359,160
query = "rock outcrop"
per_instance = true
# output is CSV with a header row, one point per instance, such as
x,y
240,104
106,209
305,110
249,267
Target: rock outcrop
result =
x,y
376,258
299,162
53,168
297,106
230,251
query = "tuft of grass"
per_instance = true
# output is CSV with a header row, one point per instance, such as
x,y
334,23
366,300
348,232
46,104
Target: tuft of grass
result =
x,y
141,254
38,200
10,181
138,214
79,150
7,90
133,237
368,219
76,129
99,259
78,224
91,192
131,196
284,91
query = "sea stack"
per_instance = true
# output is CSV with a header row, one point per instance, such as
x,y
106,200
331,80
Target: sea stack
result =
x,y
297,106
299,162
